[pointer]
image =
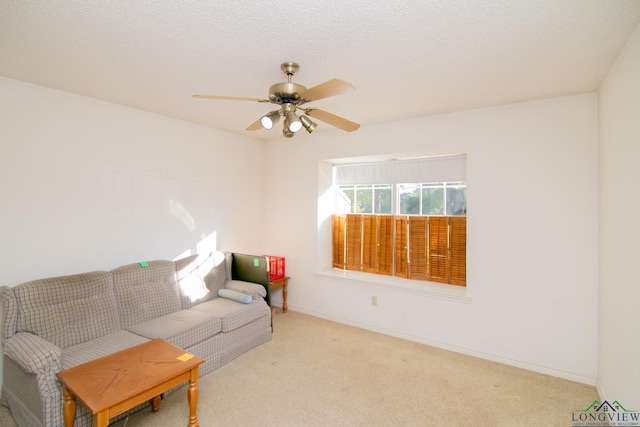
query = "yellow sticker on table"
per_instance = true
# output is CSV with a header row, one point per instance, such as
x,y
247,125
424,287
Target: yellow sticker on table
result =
x,y
185,357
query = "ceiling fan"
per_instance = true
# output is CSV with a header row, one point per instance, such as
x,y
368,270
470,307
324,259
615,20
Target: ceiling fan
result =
x,y
290,97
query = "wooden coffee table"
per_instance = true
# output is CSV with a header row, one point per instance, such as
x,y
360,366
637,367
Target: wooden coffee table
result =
x,y
113,384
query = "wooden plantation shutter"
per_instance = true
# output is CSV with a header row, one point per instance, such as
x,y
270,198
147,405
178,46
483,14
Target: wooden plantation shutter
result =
x,y
418,248
401,247
354,242
438,228
385,244
338,224
369,243
412,247
458,250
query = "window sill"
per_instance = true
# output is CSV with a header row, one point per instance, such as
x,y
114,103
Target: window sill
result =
x,y
395,284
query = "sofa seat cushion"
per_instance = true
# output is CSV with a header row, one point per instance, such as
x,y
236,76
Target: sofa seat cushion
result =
x,y
99,347
184,328
234,314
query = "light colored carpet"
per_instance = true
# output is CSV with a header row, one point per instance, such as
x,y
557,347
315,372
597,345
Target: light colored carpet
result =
x,y
320,373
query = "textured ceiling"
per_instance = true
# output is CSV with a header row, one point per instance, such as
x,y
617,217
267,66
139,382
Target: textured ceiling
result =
x,y
406,59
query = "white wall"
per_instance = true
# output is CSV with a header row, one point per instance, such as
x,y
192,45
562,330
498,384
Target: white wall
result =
x,y
619,282
532,234
89,185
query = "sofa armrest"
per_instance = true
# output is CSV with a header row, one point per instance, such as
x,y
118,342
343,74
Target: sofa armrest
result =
x,y
10,311
32,353
251,268
257,292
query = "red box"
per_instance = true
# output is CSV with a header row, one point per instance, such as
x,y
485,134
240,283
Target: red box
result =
x,y
276,267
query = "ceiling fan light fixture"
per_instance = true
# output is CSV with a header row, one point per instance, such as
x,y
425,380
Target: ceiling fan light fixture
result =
x,y
292,122
287,133
270,119
307,123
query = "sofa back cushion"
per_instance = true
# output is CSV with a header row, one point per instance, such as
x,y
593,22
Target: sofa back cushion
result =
x,y
67,310
200,277
145,291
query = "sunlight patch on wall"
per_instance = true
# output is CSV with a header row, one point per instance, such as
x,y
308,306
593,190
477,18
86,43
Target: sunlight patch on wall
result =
x,y
191,277
178,210
208,243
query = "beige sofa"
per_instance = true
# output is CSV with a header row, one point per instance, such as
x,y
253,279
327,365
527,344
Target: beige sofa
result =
x,y
56,323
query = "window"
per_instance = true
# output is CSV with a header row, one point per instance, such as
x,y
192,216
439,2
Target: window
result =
x,y
436,198
366,198
409,230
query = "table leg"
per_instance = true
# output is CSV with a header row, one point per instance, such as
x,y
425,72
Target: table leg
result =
x,y
69,407
101,419
192,398
284,295
155,404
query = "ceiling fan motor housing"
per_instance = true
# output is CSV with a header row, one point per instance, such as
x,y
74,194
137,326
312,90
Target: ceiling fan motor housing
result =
x,y
286,93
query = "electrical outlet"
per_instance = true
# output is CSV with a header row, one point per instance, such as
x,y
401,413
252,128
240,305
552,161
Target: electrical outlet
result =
x,y
374,300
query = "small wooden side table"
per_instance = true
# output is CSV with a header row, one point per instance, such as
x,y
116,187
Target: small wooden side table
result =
x,y
283,282
113,384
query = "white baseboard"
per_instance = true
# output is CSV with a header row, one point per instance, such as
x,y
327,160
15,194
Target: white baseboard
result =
x,y
601,393
469,352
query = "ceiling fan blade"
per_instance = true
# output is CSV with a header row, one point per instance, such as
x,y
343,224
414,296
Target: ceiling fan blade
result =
x,y
230,98
332,119
329,88
255,125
